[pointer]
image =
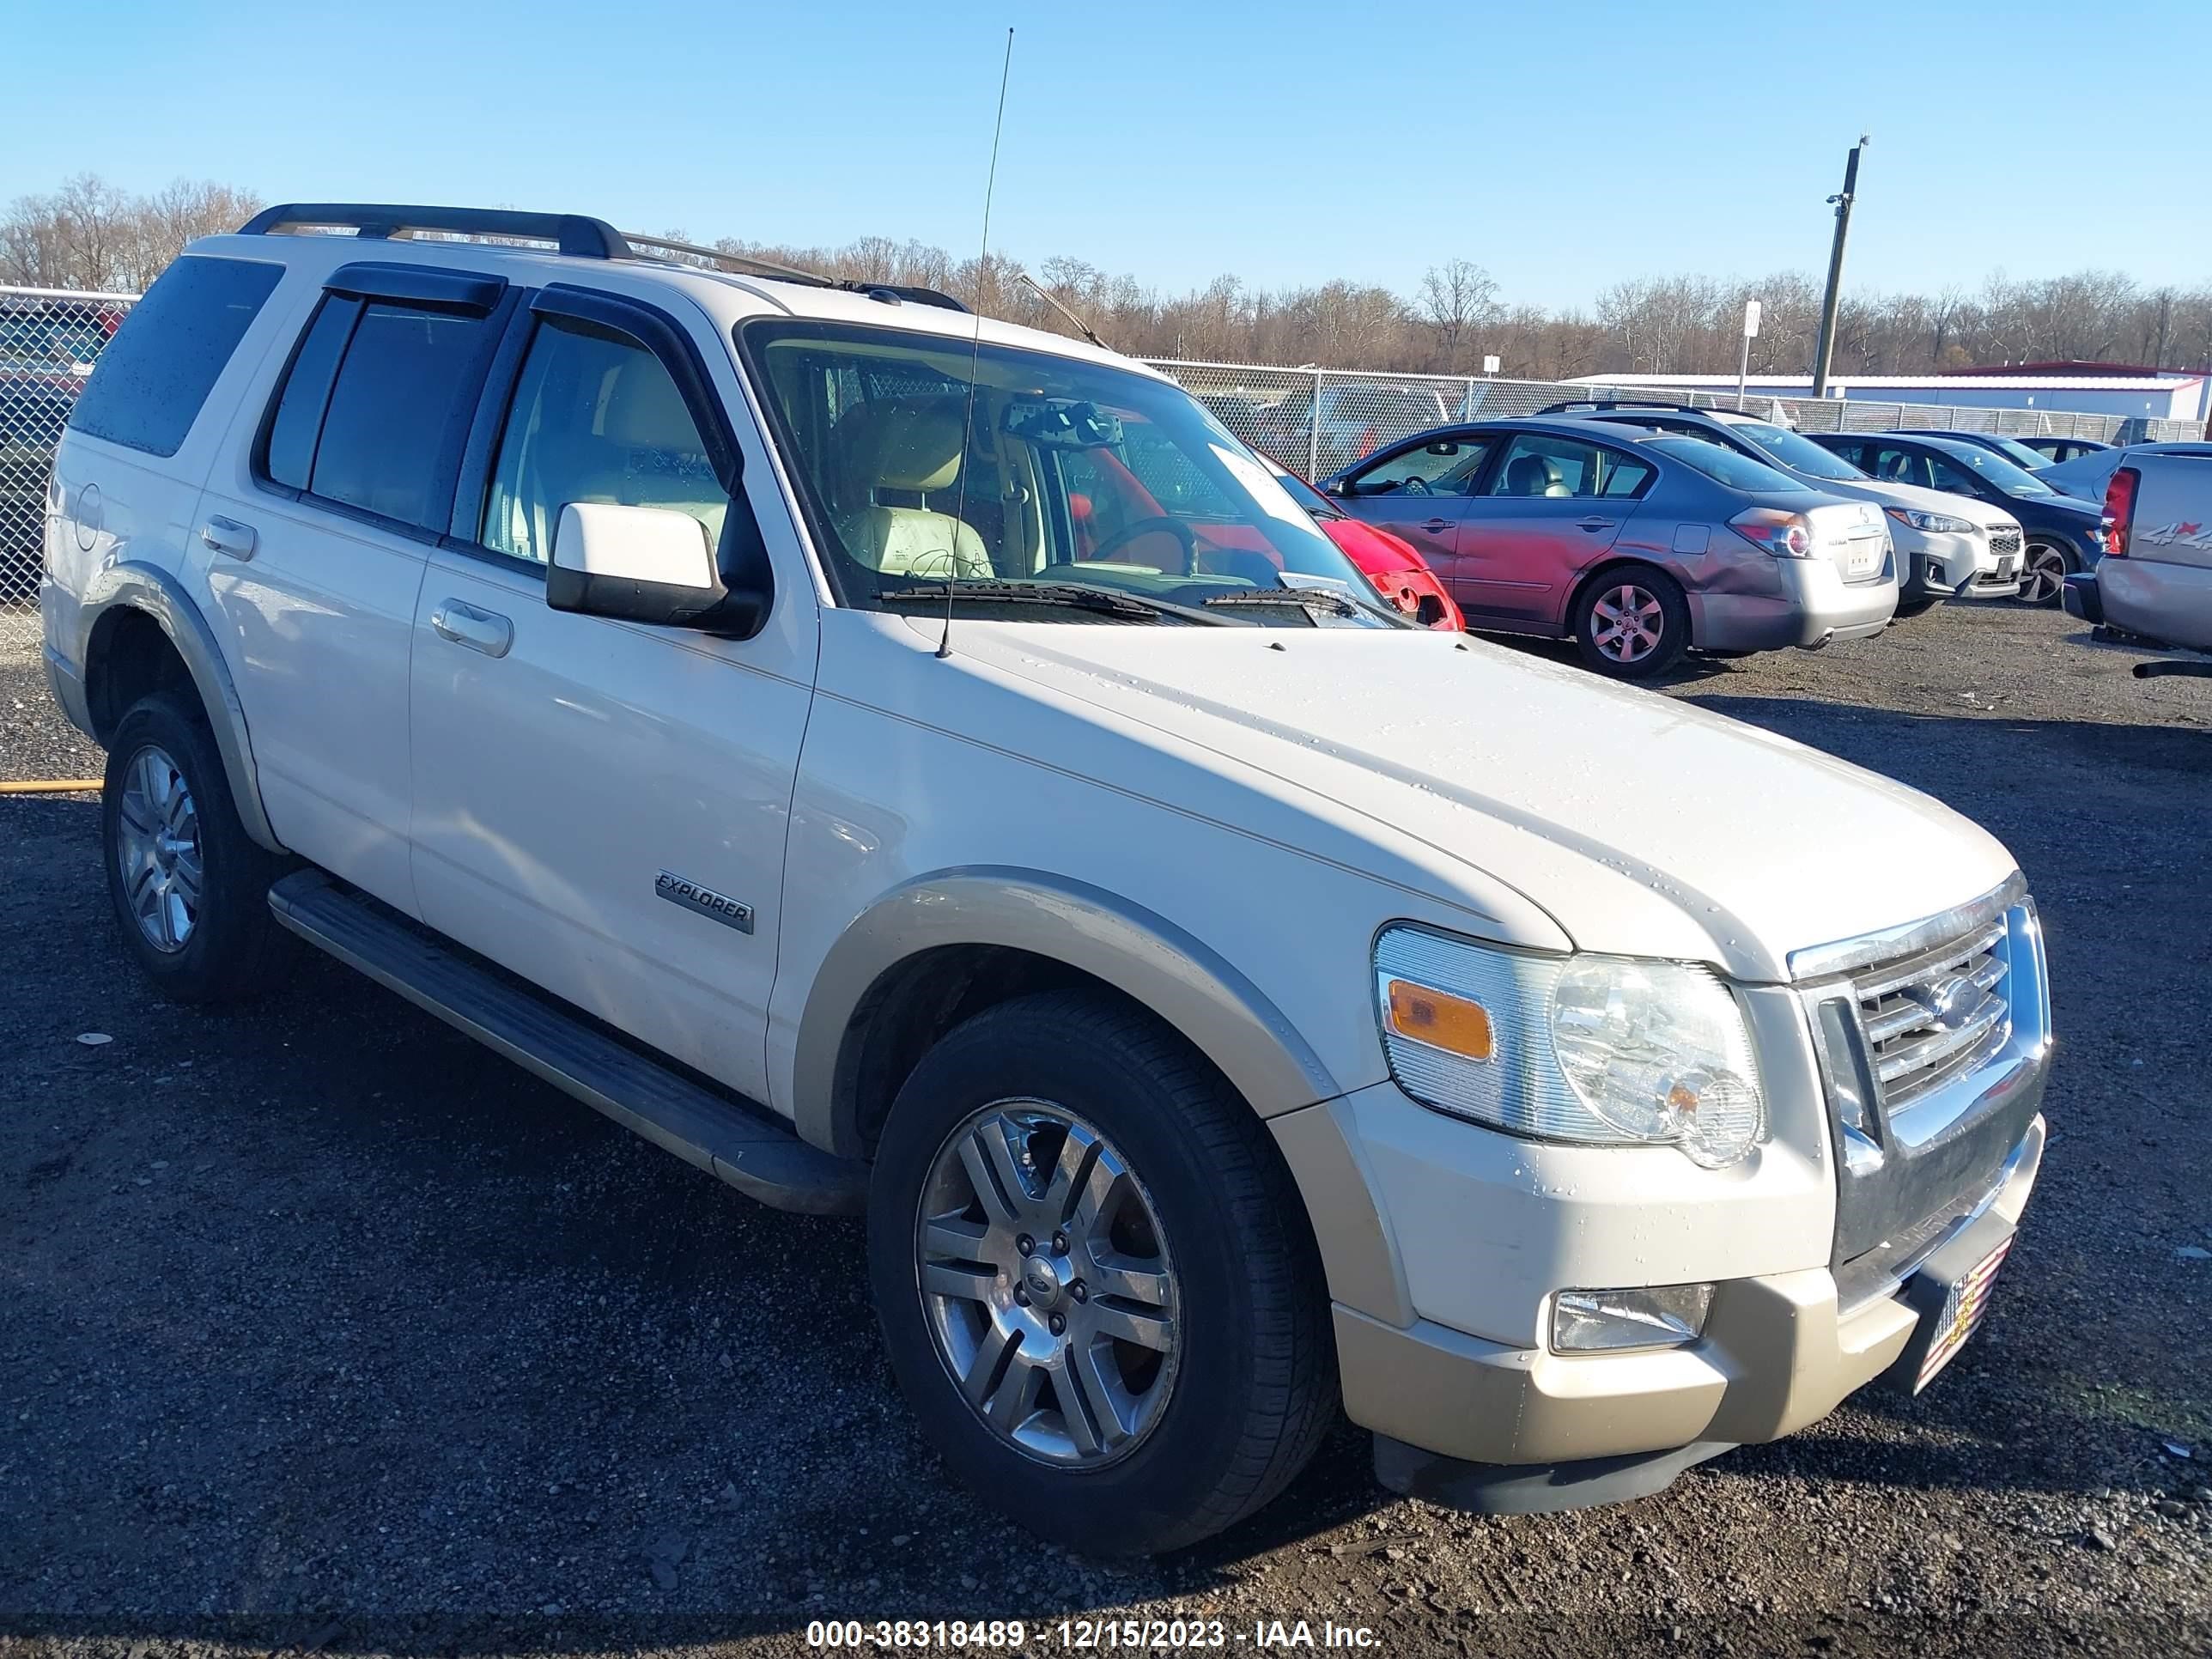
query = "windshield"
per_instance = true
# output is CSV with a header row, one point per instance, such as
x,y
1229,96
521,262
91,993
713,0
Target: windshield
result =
x,y
1795,451
2013,480
1317,506
2014,451
1067,472
1725,465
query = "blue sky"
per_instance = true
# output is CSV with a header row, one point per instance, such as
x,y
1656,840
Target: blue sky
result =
x,y
1563,147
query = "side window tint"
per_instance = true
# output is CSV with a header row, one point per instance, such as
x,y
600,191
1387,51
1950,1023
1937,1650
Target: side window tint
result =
x,y
409,380
157,372
596,418
1443,468
1899,466
1957,478
1544,466
299,418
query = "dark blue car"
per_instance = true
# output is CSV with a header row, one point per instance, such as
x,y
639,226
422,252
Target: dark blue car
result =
x,y
2060,531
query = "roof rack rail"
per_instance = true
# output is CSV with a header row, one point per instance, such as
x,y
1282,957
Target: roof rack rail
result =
x,y
749,263
574,233
1631,403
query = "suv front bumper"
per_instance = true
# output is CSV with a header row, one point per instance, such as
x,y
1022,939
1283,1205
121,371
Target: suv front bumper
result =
x,y
1778,1353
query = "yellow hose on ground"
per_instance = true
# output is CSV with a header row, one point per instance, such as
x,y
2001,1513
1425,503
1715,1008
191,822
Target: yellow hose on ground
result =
x,y
49,786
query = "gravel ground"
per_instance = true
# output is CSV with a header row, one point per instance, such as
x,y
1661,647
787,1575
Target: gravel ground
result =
x,y
325,1329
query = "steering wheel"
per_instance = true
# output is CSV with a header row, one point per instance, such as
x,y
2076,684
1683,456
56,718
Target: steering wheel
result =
x,y
1414,485
1129,533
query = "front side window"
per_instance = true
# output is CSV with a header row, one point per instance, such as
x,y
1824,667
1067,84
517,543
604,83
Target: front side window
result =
x,y
150,382
596,418
1447,467
1046,475
1537,464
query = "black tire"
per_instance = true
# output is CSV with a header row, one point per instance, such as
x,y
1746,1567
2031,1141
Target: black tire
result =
x,y
233,948
1254,1386
1651,598
2068,563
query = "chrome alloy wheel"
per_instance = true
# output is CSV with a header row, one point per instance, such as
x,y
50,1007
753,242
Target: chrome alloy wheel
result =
x,y
2045,575
1047,1284
1626,622
157,848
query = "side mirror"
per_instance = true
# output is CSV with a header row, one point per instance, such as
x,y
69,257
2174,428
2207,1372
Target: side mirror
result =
x,y
643,564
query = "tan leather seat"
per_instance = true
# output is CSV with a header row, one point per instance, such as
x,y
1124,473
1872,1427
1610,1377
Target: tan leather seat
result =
x,y
907,445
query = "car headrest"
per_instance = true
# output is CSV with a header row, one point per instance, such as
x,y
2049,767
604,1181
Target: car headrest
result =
x,y
904,443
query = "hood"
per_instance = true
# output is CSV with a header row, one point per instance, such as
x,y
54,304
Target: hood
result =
x,y
1643,825
1377,552
1883,493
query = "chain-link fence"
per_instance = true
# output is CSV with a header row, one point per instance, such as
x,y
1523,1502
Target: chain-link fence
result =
x,y
49,340
1314,421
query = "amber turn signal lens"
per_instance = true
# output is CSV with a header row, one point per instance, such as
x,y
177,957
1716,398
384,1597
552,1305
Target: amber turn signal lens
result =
x,y
1441,1020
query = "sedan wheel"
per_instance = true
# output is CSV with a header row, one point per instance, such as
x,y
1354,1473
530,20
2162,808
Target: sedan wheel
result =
x,y
2044,577
1046,1282
1626,624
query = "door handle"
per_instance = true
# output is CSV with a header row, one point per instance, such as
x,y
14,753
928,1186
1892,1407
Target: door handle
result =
x,y
1595,523
479,630
228,536
1432,525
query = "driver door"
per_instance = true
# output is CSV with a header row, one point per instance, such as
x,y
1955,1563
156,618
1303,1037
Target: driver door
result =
x,y
1422,494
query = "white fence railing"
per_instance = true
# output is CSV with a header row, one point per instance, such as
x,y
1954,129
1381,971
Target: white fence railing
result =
x,y
1310,420
1272,409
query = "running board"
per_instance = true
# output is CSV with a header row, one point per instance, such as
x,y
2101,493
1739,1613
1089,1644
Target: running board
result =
x,y
755,1152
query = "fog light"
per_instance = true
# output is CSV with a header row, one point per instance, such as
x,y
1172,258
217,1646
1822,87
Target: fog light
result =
x,y
1665,1317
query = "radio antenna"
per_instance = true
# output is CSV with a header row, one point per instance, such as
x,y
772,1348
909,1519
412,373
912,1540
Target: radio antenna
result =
x,y
974,354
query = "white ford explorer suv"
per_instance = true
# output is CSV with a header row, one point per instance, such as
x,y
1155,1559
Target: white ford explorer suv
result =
x,y
727,696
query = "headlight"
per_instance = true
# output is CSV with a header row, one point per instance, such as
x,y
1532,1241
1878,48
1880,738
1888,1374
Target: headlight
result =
x,y
1603,1050
1933,523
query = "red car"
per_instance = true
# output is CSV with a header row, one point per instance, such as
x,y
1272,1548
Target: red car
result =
x,y
1397,571
1111,498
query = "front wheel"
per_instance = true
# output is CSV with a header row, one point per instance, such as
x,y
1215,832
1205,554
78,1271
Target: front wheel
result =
x,y
1633,624
2045,578
1095,1278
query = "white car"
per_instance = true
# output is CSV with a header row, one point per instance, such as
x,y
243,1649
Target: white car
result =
x,y
713,691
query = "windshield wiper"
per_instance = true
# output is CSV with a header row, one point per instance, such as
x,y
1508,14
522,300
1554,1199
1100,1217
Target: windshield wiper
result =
x,y
1107,602
1312,598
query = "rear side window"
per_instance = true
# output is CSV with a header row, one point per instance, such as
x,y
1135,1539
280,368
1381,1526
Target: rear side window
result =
x,y
157,372
376,408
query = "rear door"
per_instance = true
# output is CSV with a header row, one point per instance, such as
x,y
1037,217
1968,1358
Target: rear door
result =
x,y
1421,494
316,532
1550,505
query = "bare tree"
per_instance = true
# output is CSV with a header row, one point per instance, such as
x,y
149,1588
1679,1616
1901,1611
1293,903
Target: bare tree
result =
x,y
1457,298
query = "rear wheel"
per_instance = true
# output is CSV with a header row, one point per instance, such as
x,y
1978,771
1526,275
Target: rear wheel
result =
x,y
190,887
2048,566
1095,1279
1632,623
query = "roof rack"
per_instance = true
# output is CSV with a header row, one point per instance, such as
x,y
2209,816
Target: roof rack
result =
x,y
576,234
750,263
1632,403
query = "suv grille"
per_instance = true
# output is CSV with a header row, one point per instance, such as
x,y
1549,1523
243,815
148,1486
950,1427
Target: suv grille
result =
x,y
1934,1015
2004,541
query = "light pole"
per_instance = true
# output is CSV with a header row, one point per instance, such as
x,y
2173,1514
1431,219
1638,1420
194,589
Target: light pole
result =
x,y
1825,350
